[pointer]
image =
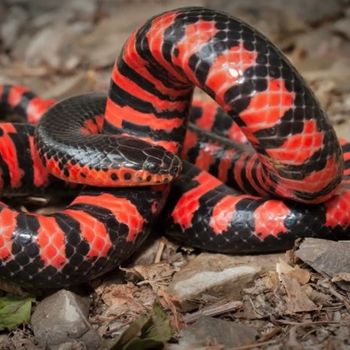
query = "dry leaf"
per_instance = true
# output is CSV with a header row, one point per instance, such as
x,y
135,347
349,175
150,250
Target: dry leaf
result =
x,y
301,275
125,299
341,276
152,273
297,299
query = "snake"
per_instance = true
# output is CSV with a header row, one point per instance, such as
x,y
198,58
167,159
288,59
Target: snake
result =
x,y
249,169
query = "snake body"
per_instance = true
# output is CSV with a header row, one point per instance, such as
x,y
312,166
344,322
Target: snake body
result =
x,y
252,175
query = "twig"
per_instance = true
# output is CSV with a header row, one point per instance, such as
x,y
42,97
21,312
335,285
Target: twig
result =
x,y
340,297
213,310
254,308
168,301
160,250
271,334
310,323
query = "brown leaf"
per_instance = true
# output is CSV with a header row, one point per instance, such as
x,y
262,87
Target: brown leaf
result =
x,y
301,275
125,300
152,273
297,300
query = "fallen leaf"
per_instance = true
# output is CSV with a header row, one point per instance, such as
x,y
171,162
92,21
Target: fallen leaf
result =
x,y
297,299
283,267
317,296
301,275
153,274
270,280
125,300
14,311
147,332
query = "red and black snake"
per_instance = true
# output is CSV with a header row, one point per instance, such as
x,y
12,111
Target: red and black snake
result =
x,y
128,146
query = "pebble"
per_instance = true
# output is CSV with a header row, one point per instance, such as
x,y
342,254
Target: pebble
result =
x,y
217,275
210,330
329,258
62,318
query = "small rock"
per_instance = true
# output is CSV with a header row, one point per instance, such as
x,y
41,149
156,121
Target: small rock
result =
x,y
101,46
52,47
322,43
209,331
218,276
62,318
343,26
81,9
326,257
11,27
104,54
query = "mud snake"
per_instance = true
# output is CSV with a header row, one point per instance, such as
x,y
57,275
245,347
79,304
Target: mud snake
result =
x,y
134,136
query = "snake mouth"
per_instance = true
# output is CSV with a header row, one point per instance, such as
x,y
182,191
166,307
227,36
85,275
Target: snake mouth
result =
x,y
129,178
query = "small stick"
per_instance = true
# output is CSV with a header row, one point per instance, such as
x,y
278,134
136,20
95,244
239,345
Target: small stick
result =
x,y
340,297
310,323
213,310
271,334
160,250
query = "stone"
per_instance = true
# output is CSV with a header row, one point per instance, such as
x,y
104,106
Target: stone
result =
x,y
327,257
324,256
62,318
321,44
342,26
52,47
209,331
217,276
11,27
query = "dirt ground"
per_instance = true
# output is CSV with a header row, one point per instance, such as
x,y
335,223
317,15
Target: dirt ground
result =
x,y
68,47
